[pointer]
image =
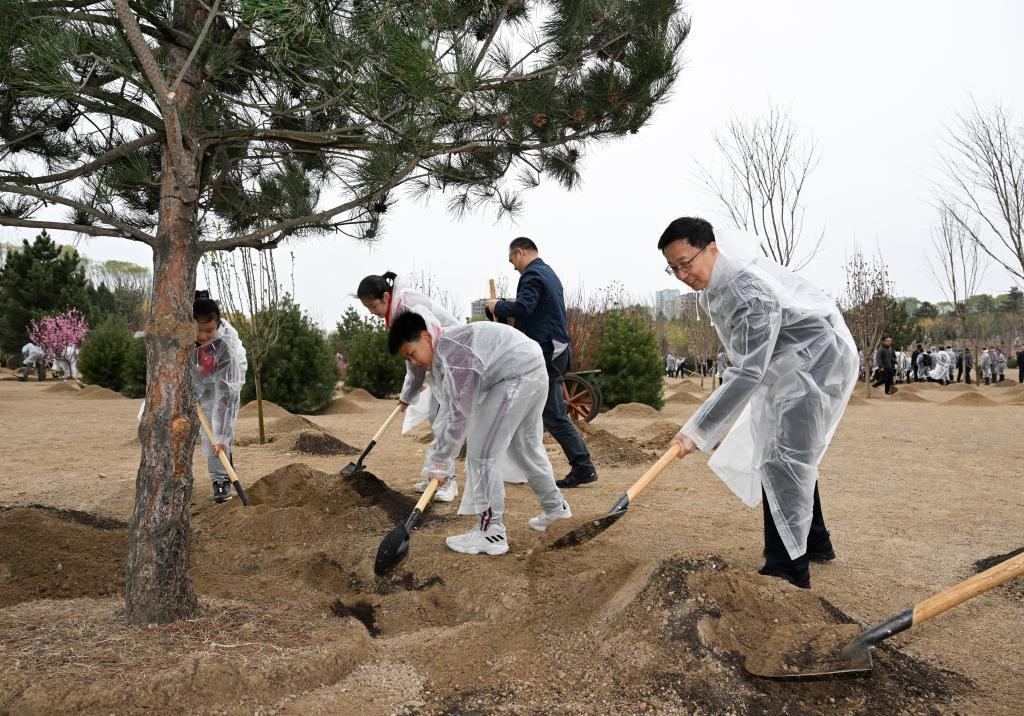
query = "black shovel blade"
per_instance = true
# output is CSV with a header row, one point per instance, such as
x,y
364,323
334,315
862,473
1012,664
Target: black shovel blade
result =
x,y
392,550
587,531
801,650
351,469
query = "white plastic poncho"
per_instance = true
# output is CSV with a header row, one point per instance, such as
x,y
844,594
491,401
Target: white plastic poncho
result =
x,y
31,354
492,383
940,366
421,405
793,367
218,374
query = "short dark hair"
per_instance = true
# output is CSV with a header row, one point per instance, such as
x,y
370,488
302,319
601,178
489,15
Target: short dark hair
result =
x,y
406,328
696,231
376,286
205,308
523,243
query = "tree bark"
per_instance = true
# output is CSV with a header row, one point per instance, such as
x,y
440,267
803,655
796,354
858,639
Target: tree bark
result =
x,y
259,401
157,584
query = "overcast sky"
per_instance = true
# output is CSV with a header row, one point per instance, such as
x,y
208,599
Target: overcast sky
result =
x,y
875,83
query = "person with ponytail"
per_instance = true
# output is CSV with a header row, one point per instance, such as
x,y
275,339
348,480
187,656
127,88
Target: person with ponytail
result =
x,y
218,374
387,297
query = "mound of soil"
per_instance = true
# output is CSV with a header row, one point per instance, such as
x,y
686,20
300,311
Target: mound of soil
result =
x,y
1014,589
321,443
270,410
63,387
658,435
633,410
281,429
47,554
959,388
342,406
973,399
905,396
607,448
96,392
681,396
360,395
857,399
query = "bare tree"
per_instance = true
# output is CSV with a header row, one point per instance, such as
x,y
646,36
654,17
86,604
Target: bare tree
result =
x,y
957,267
865,304
985,165
703,338
250,297
426,283
761,184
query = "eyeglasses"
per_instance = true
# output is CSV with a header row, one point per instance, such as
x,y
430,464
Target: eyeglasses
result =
x,y
683,265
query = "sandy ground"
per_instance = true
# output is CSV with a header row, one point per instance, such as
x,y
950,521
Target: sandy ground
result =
x,y
651,617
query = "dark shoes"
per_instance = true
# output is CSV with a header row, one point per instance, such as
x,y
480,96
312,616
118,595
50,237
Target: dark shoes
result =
x,y
575,478
798,578
221,491
821,555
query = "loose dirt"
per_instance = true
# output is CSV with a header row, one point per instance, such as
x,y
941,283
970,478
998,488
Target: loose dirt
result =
x,y
270,410
63,387
360,395
608,448
908,397
681,396
342,406
655,615
969,399
633,410
96,392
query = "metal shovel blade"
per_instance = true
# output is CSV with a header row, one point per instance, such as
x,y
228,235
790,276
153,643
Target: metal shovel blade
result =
x,y
587,531
799,650
351,468
392,550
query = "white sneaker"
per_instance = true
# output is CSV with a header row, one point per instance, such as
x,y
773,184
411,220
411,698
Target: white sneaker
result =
x,y
448,490
491,541
421,486
541,521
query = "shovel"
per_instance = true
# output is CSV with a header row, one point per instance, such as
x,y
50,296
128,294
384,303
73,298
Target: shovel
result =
x,y
592,528
357,466
395,545
817,650
223,457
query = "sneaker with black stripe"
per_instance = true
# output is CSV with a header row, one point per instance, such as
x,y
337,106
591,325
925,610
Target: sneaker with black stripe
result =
x,y
492,541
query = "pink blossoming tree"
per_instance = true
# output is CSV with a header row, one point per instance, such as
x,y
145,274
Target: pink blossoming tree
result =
x,y
55,333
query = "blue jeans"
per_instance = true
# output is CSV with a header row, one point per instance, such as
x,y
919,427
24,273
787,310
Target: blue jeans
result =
x,y
556,419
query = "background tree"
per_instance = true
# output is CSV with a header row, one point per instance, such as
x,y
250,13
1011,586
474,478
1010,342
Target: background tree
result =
x,y
101,360
154,121
984,165
629,359
39,279
55,333
299,371
865,304
370,366
130,286
703,338
761,184
249,296
957,268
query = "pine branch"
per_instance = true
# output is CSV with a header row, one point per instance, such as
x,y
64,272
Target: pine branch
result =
x,y
76,228
126,230
84,169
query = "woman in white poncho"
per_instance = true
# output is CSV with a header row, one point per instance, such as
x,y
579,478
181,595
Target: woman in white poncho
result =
x,y
387,297
793,366
218,373
492,384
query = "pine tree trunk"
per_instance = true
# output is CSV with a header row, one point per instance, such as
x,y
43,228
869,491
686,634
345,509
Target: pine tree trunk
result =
x,y
157,584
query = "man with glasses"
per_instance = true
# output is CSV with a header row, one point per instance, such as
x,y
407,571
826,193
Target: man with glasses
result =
x,y
539,310
793,365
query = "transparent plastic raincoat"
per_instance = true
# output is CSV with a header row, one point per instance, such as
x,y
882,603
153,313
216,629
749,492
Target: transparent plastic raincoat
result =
x,y
941,365
218,374
421,405
492,384
793,366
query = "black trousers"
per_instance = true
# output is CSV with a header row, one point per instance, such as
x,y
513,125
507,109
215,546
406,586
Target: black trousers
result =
x,y
775,553
884,377
556,419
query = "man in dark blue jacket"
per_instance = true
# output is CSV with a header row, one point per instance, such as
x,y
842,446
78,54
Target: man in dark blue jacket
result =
x,y
539,310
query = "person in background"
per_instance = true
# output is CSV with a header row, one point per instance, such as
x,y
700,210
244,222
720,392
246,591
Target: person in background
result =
x,y
1001,365
34,358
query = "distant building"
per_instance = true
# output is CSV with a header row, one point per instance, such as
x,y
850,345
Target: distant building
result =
x,y
668,303
477,310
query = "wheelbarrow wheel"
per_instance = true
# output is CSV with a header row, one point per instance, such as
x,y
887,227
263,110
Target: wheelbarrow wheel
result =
x,y
582,398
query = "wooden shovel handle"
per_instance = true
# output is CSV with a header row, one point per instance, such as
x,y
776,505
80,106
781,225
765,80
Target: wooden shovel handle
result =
x,y
494,291
377,435
213,441
979,583
656,469
428,494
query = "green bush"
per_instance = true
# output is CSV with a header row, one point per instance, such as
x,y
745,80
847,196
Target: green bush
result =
x,y
300,371
133,373
370,366
101,360
629,359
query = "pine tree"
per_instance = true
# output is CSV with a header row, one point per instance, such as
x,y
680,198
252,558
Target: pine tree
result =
x,y
629,359
156,121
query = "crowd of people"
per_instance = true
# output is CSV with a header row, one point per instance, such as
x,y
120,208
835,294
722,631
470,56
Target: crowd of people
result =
x,y
943,364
